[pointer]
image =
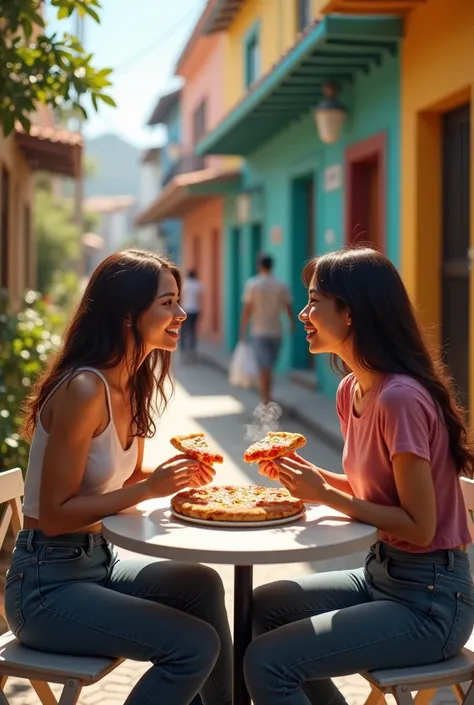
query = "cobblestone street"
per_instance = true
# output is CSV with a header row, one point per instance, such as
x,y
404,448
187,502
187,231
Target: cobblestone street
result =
x,y
204,401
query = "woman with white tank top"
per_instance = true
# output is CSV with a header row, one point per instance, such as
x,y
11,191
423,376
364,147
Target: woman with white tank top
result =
x,y
66,590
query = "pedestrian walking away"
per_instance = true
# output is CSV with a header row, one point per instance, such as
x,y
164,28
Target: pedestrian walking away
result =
x,y
264,299
405,445
66,591
191,301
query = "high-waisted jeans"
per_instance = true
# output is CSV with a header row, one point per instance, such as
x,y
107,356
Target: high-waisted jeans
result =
x,y
399,610
71,594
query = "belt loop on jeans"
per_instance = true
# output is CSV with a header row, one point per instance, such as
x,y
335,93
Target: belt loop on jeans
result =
x,y
450,565
90,546
378,555
29,541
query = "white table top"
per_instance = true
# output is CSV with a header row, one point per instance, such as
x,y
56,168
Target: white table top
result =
x,y
323,533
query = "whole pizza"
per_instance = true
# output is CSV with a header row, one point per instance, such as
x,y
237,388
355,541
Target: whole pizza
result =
x,y
237,503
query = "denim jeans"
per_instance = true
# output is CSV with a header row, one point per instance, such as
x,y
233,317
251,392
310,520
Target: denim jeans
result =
x,y
399,610
71,594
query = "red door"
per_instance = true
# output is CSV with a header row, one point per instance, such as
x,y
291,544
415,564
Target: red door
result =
x,y
365,192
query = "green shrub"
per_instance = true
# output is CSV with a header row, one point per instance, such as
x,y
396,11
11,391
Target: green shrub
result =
x,y
27,338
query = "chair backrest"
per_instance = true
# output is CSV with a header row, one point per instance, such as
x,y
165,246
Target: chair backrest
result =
x,y
11,491
467,487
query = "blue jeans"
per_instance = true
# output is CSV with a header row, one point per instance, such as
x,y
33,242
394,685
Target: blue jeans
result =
x,y
399,610
71,594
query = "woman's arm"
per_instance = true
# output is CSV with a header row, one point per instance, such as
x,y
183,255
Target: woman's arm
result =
x,y
337,481
413,521
78,413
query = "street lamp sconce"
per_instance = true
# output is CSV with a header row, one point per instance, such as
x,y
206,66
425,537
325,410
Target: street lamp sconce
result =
x,y
329,115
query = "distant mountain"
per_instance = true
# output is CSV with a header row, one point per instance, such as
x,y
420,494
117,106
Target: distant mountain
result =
x,y
116,164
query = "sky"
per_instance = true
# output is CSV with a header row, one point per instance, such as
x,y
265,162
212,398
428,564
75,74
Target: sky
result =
x,y
141,40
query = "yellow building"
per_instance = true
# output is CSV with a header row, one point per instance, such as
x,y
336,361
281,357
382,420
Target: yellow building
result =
x,y
258,33
437,185
43,149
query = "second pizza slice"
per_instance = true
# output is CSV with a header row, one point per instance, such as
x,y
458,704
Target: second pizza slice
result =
x,y
276,444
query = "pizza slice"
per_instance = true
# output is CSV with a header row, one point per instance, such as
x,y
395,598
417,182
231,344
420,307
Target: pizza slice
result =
x,y
276,444
196,447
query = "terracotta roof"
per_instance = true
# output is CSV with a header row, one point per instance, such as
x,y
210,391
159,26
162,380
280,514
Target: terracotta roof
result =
x,y
52,134
95,242
178,193
47,148
108,204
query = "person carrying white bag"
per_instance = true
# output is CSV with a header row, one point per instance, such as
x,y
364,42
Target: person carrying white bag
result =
x,y
243,371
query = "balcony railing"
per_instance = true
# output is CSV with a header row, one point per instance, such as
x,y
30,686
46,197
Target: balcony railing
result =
x,y
183,165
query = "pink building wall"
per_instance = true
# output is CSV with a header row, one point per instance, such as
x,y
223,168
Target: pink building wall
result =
x,y
202,250
204,76
202,237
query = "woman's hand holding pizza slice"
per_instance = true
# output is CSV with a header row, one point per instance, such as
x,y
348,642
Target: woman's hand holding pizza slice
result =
x,y
195,447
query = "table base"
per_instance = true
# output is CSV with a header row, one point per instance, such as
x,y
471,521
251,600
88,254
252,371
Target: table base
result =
x,y
243,588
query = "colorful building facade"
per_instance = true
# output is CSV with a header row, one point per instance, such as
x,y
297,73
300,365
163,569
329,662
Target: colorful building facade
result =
x,y
167,113
301,197
44,148
195,192
437,177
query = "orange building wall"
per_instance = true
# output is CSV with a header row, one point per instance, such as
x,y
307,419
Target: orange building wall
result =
x,y
202,249
437,76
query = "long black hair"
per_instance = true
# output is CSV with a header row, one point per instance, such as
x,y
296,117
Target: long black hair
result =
x,y
386,334
122,287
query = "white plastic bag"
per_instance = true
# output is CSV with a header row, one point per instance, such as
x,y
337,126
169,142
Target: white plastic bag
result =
x,y
243,370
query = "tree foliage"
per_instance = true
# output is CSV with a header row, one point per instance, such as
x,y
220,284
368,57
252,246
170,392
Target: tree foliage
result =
x,y
27,338
57,238
40,67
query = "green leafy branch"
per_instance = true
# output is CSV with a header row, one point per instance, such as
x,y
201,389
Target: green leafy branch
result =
x,y
38,67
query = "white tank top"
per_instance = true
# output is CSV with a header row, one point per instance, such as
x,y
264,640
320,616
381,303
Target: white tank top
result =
x,y
108,465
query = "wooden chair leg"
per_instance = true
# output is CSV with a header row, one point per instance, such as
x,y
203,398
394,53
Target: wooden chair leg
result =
x,y
44,692
459,692
71,693
3,682
375,697
424,697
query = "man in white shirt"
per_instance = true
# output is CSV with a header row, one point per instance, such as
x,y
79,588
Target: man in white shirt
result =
x,y
191,299
265,298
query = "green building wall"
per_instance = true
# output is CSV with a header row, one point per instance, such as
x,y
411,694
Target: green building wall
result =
x,y
373,102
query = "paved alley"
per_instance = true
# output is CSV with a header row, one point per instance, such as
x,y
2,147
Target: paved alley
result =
x,y
204,401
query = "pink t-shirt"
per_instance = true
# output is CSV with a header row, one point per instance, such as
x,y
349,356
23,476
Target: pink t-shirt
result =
x,y
400,416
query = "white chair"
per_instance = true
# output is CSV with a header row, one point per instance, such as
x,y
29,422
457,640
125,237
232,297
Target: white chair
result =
x,y
401,682
38,667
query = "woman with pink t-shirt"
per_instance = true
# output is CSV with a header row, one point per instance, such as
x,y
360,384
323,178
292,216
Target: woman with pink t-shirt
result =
x,y
405,445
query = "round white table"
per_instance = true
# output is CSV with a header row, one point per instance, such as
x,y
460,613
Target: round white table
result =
x,y
323,533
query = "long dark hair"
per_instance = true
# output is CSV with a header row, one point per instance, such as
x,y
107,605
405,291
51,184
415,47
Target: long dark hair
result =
x,y
122,287
386,333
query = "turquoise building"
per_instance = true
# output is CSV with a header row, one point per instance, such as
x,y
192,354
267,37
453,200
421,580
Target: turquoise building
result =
x,y
300,196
